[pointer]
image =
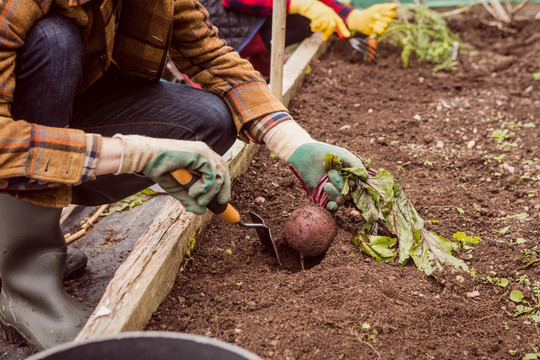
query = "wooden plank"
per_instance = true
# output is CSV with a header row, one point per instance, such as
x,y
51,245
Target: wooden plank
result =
x,y
277,53
147,275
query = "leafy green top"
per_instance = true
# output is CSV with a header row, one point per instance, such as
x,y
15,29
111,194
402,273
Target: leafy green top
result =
x,y
424,31
391,227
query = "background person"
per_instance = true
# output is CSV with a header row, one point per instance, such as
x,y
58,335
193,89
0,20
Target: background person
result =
x,y
246,25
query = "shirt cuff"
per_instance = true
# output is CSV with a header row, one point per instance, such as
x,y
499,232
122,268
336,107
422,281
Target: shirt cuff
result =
x,y
255,130
93,148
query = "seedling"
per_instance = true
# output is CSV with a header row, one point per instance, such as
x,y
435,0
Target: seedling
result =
x,y
189,248
424,32
528,308
493,279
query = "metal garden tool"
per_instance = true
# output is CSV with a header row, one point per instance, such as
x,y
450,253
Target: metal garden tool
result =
x,y
366,47
228,213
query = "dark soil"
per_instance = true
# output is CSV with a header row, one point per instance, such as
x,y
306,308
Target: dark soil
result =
x,y
433,133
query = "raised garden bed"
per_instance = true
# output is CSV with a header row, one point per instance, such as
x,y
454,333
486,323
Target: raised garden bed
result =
x,y
462,146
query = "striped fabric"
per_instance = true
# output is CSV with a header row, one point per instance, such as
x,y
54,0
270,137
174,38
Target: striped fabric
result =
x,y
257,129
264,7
147,31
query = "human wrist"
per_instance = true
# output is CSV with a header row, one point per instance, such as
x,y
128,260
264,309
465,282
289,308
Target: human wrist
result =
x,y
109,159
137,152
284,138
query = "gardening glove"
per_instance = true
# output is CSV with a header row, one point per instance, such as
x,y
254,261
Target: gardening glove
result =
x,y
322,17
156,158
374,19
294,145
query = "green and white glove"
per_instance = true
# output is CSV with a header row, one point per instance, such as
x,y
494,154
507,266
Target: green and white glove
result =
x,y
294,145
156,158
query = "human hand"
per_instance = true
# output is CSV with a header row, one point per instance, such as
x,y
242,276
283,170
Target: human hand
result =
x,y
156,158
308,161
323,18
294,145
374,19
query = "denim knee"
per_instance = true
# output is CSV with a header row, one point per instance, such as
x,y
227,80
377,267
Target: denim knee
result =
x,y
48,72
222,131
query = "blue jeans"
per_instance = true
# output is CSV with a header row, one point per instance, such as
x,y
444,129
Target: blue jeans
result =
x,y
48,75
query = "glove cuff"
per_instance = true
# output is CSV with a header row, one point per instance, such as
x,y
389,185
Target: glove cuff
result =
x,y
284,138
136,153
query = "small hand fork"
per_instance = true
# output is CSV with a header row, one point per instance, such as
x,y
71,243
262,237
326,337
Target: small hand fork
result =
x,y
364,47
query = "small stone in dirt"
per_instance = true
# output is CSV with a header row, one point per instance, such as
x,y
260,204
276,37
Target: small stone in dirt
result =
x,y
428,138
381,140
417,117
509,168
460,279
511,305
355,213
471,144
473,294
440,144
259,200
251,304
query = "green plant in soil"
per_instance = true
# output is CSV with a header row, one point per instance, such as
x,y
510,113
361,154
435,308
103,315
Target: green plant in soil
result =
x,y
391,226
424,32
528,308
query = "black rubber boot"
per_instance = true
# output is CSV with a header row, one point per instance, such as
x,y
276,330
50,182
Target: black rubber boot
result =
x,y
34,307
75,264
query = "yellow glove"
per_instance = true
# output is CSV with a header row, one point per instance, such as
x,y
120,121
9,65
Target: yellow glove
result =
x,y
374,19
322,17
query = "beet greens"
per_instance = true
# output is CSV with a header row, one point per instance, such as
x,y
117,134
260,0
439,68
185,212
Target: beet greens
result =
x,y
391,227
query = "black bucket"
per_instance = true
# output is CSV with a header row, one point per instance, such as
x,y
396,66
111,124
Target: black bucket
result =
x,y
144,345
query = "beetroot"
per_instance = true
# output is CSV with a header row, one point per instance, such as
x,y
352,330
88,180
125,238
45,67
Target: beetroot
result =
x,y
310,230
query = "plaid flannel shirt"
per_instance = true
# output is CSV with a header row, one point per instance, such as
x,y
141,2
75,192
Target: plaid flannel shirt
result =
x,y
41,163
264,7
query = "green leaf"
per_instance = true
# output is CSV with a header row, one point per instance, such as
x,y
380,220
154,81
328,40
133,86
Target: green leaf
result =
x,y
388,216
529,125
516,296
460,211
503,282
466,241
521,216
499,135
503,230
130,202
345,127
376,247
476,207
229,251
536,76
433,251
